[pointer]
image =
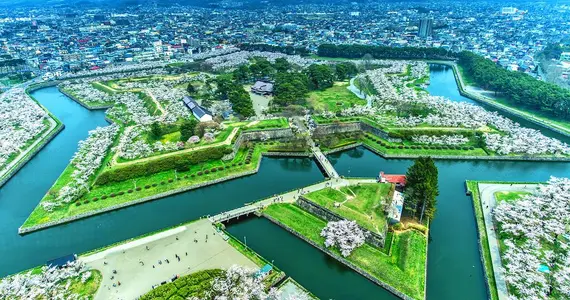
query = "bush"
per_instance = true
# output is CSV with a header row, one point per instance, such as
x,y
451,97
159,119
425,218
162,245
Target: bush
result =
x,y
206,171
471,148
154,184
214,170
147,186
170,180
129,191
186,176
248,162
398,226
149,167
77,203
138,188
221,168
95,199
465,148
121,193
86,201
200,173
241,164
400,147
104,197
227,167
193,175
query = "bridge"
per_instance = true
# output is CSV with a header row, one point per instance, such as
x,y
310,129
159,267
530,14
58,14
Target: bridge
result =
x,y
287,197
324,162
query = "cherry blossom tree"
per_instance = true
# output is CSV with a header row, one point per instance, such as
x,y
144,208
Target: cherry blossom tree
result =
x,y
345,235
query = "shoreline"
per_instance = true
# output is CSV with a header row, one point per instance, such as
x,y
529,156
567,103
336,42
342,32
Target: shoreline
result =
x,y
499,106
34,228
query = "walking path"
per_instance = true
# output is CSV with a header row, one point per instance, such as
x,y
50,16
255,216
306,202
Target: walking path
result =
x,y
487,192
288,197
227,141
141,263
325,163
163,112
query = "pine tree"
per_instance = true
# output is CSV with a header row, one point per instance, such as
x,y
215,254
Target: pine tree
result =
x,y
421,188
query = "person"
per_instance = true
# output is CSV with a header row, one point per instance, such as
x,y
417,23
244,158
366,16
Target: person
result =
x,y
186,253
153,266
147,248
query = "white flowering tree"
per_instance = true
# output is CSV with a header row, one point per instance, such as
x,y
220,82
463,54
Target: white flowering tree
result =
x,y
50,283
345,235
240,283
535,233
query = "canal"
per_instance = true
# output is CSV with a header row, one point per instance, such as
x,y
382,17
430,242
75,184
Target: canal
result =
x,y
21,194
454,268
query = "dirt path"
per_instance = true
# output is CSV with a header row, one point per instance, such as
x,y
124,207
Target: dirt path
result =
x,y
227,141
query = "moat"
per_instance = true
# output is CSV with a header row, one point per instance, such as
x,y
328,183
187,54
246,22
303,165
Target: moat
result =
x,y
454,266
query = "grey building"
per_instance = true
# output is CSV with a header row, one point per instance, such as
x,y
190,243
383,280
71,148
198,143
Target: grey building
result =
x,y
425,28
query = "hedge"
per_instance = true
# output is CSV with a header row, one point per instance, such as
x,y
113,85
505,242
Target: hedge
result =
x,y
144,168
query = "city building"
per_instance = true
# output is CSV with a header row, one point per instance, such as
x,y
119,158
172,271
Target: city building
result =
x,y
262,88
425,28
508,10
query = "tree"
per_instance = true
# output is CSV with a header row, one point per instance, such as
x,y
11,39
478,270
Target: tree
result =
x,y
242,74
224,84
281,65
190,88
421,188
187,129
155,130
241,101
320,77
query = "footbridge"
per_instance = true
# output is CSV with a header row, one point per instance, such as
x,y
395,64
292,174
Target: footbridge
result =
x,y
324,162
287,197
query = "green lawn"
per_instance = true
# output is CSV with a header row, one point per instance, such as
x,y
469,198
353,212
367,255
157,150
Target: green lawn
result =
x,y
404,269
509,196
473,187
87,289
158,183
362,203
335,98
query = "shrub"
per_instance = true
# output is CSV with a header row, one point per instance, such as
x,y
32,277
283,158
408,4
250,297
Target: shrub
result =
x,y
104,197
227,167
113,195
193,175
400,147
471,148
170,180
138,188
145,168
77,203
241,164
147,186
214,170
200,173
86,201
207,172
121,193
129,191
186,176
398,226
95,199
154,184
465,148
221,168
248,161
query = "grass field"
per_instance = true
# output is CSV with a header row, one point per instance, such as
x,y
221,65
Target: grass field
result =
x,y
362,203
473,187
404,269
509,196
185,287
335,98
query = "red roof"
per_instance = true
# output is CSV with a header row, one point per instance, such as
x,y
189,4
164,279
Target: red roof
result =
x,y
394,178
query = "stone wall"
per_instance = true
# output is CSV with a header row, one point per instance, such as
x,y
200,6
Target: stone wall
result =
x,y
277,133
372,238
343,261
58,128
326,129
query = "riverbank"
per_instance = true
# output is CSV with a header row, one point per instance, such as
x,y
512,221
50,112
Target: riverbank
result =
x,y
528,116
179,182
55,127
399,269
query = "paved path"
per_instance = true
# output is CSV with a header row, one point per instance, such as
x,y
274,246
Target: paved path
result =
x,y
137,279
488,202
17,160
324,162
359,93
288,197
163,112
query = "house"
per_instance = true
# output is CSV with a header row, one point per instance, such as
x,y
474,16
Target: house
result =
x,y
202,114
262,88
398,180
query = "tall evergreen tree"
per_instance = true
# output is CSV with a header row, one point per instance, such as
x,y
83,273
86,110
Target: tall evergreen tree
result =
x,y
422,188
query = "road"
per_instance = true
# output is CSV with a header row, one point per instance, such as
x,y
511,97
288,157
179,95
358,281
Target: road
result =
x,y
488,202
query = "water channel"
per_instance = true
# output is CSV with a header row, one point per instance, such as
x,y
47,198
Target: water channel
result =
x,y
454,268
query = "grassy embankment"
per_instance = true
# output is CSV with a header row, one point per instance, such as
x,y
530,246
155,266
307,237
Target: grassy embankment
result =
x,y
362,203
543,116
336,98
115,193
403,269
509,196
473,187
